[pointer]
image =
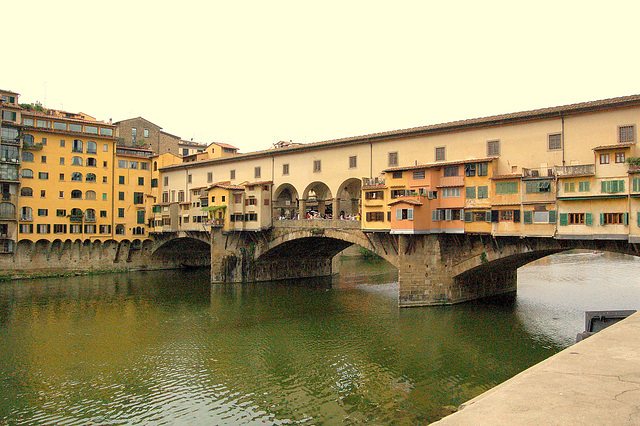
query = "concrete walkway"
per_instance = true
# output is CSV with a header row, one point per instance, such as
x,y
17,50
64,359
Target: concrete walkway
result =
x,y
594,382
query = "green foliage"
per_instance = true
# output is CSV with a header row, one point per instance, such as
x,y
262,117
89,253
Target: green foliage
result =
x,y
37,106
367,254
634,161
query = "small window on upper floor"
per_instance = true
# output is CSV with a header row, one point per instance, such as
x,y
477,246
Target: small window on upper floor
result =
x,y
256,172
77,145
146,133
493,148
555,142
627,134
440,153
393,158
232,174
353,162
285,169
317,166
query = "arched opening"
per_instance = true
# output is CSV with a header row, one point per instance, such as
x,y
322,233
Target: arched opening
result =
x,y
285,202
183,252
317,201
348,199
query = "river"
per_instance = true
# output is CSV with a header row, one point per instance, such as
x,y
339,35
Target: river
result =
x,y
168,348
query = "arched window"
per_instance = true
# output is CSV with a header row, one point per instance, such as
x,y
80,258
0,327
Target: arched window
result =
x,y
120,229
155,166
77,194
27,157
90,215
26,191
92,162
90,195
27,173
76,176
91,177
138,230
28,139
77,145
7,211
76,212
76,161
92,147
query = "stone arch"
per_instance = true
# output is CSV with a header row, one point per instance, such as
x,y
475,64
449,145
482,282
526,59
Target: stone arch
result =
x,y
348,197
317,198
41,253
285,201
182,252
56,249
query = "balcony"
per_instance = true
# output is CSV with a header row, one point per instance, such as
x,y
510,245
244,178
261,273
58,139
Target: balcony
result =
x,y
378,181
75,219
26,218
538,173
578,170
32,146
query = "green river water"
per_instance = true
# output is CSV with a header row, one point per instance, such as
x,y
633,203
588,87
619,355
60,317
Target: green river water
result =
x,y
169,348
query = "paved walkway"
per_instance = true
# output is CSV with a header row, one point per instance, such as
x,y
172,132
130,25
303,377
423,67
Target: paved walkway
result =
x,y
594,382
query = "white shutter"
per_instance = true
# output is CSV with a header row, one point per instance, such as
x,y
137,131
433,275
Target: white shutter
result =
x,y
410,214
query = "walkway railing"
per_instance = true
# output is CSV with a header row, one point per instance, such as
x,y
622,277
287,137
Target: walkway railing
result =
x,y
317,223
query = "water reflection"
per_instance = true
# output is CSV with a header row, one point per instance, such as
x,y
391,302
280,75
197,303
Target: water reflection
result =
x,y
159,348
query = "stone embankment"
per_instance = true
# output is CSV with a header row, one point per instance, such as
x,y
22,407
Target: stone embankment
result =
x,y
594,382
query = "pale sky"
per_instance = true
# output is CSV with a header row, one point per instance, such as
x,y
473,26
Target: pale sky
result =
x,y
251,73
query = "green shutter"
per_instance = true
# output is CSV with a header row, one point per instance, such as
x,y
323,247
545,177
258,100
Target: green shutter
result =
x,y
604,186
625,218
528,216
588,219
552,216
487,216
601,218
471,192
467,216
564,219
620,186
638,218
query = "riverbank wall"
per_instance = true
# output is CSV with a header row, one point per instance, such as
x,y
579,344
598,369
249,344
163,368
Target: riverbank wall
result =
x,y
595,382
65,258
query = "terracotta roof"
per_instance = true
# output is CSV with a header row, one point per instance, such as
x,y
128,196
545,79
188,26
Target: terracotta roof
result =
x,y
257,183
197,187
226,185
406,201
138,118
379,186
618,145
57,117
223,145
440,164
9,92
511,176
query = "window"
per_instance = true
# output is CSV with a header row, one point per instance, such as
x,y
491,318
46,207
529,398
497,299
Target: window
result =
x,y
469,170
92,147
140,217
26,192
26,173
555,142
165,197
393,158
146,133
419,174
584,186
285,169
59,126
103,213
61,212
635,186
76,194
256,172
237,198
396,175
374,195
404,214
77,177
91,129
121,212
451,171
619,157
120,228
43,193
353,161
104,196
232,174
144,166
604,158
121,195
626,134
27,157
317,166
166,181
104,179
77,145
75,127
105,229
140,181
493,148
189,178
611,186
470,192
90,177
134,165
483,169
62,161
569,187
44,228
43,175
122,164
450,192
92,162
505,188
62,143
26,228
26,213
209,177
60,194
134,134
536,187
90,195
375,217
614,218
59,229
138,198
440,153
43,159
76,161
506,215
483,192
154,183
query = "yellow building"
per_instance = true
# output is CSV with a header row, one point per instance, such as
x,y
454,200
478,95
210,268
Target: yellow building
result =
x,y
132,192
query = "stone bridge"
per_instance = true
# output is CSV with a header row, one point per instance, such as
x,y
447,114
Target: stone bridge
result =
x,y
433,269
